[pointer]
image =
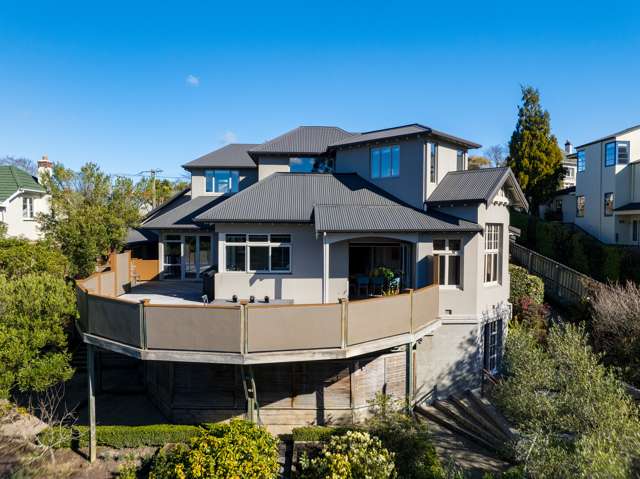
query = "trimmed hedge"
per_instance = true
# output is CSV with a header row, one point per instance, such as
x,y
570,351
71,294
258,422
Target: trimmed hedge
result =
x,y
573,247
525,285
119,436
318,433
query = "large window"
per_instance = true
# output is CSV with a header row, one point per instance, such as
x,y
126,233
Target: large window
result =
x,y
492,345
221,181
460,160
493,253
608,204
385,162
616,152
582,165
27,208
311,165
449,252
433,165
580,206
259,253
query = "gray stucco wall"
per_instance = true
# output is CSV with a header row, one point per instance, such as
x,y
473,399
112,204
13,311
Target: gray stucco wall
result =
x,y
267,165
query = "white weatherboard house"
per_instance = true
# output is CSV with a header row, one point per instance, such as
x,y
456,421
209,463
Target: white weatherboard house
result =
x,y
336,265
22,197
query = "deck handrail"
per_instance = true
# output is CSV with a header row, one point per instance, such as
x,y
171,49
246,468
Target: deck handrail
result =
x,y
247,328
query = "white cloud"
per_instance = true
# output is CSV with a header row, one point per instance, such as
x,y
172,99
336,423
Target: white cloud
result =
x,y
193,80
228,137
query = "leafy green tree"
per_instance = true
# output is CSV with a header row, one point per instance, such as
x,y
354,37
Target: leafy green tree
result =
x,y
164,189
534,154
36,305
89,214
575,416
478,161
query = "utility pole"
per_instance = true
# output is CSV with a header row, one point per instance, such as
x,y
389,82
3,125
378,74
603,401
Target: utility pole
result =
x,y
153,173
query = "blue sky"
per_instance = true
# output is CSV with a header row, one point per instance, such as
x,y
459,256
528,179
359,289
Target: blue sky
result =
x,y
136,85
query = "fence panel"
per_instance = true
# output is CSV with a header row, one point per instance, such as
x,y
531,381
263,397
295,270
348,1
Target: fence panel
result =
x,y
379,318
294,327
114,319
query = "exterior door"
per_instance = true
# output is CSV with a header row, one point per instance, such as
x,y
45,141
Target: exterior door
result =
x,y
172,260
204,253
190,256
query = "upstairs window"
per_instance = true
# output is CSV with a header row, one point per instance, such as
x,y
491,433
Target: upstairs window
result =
x,y
460,157
580,206
449,252
582,166
608,204
616,152
493,253
27,208
568,172
385,162
433,165
221,181
311,165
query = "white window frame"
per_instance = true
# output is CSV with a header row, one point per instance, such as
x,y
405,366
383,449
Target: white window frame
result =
x,y
27,207
493,244
234,174
493,357
446,254
269,243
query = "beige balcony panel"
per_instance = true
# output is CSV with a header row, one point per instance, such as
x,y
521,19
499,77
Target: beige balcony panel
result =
x,y
379,318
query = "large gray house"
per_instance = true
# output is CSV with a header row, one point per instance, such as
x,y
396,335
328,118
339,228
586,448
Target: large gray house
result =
x,y
336,265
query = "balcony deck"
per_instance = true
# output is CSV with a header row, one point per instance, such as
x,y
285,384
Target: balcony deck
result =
x,y
175,325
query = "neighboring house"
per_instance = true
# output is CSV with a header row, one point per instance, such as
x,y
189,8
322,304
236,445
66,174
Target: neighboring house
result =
x,y
22,197
296,231
608,187
570,166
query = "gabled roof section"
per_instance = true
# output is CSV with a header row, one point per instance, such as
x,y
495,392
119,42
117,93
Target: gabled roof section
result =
x,y
611,136
477,186
180,212
310,140
333,202
233,155
13,179
399,131
140,235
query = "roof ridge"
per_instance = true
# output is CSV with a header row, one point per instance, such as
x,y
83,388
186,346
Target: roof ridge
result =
x,y
395,128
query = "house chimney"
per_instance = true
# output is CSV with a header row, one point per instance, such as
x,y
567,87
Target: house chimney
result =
x,y
44,166
568,147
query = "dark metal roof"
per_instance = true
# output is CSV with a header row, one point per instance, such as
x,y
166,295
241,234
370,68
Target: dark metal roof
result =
x,y
399,131
612,136
181,212
334,202
565,191
233,155
139,235
628,207
378,218
312,140
476,186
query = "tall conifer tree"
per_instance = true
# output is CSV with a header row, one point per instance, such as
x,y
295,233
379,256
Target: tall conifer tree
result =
x,y
534,154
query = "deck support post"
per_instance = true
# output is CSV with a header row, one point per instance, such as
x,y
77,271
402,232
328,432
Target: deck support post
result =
x,y
92,401
249,384
325,268
410,368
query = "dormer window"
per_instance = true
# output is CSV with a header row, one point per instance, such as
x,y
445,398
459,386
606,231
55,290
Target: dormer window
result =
x,y
221,181
385,162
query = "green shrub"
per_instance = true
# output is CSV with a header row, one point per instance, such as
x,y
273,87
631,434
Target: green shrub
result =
x,y
354,455
235,450
574,416
525,285
19,257
119,436
613,256
409,440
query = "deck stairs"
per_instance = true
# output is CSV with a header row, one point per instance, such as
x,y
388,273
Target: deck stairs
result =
x,y
473,418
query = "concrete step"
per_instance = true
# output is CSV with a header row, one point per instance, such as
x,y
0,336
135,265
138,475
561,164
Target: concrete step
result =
x,y
434,415
448,409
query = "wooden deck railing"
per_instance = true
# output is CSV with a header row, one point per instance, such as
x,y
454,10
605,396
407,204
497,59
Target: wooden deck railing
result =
x,y
248,328
560,282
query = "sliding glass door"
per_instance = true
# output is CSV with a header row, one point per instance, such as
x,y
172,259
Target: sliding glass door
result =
x,y
186,256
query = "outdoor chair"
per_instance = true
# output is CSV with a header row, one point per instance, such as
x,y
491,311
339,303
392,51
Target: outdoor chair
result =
x,y
362,282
